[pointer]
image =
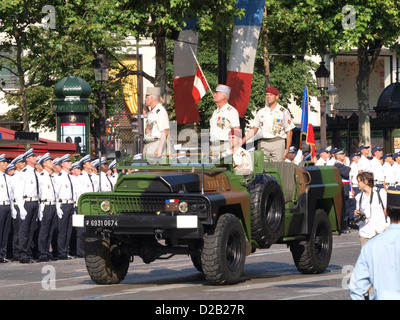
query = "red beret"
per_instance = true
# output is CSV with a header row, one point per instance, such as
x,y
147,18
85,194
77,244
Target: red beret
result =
x,y
272,90
236,132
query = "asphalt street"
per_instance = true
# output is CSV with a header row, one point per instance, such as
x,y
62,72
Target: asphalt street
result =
x,y
269,274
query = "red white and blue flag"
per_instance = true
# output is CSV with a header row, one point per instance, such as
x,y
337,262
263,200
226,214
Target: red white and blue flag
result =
x,y
306,128
199,86
243,53
185,67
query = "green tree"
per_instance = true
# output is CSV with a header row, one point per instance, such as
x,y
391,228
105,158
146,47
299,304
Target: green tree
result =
x,y
321,27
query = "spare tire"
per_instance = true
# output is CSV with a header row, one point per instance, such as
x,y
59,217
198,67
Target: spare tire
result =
x,y
267,209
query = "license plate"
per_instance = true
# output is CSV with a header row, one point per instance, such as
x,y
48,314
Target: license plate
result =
x,y
101,223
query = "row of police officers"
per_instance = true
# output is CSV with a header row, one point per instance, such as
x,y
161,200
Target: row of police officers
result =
x,y
37,201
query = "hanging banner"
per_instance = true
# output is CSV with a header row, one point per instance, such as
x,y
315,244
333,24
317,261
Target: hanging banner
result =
x,y
243,53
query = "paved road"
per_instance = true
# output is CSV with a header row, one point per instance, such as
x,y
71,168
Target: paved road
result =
x,y
268,274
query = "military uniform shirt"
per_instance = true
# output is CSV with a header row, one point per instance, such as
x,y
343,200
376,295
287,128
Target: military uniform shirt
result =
x,y
222,121
273,124
155,122
28,185
46,187
5,188
377,169
364,164
88,183
242,160
64,187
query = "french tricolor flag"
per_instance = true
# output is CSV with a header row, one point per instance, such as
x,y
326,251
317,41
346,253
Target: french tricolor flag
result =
x,y
243,53
199,86
184,75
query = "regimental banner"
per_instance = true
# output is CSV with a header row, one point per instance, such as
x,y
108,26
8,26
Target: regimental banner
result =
x,y
184,74
243,53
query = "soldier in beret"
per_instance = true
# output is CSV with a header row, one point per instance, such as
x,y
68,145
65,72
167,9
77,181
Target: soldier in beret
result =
x,y
275,124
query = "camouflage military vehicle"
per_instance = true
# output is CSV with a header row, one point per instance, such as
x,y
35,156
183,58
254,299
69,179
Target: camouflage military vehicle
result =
x,y
212,214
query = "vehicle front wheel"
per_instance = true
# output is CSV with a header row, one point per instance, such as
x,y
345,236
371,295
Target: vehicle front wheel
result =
x,y
106,264
224,251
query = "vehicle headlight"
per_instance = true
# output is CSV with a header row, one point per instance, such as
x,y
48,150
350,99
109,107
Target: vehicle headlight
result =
x,y
183,207
105,206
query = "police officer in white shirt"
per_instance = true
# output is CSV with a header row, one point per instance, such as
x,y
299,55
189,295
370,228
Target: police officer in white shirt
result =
x,y
363,163
224,118
377,167
88,182
65,207
323,157
5,208
388,171
156,125
47,211
113,172
27,198
396,167
76,243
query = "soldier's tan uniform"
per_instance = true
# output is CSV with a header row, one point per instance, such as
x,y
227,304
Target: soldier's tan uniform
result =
x,y
155,122
273,126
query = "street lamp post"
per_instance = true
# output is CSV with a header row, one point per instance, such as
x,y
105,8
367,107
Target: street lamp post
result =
x,y
101,66
322,75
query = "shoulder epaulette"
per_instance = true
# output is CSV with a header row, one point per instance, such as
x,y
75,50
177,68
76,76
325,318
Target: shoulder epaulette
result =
x,y
24,170
282,109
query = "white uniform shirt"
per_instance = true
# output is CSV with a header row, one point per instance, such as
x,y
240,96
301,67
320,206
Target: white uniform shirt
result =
x,y
89,183
64,186
242,160
46,187
28,184
376,220
377,169
155,122
321,162
353,174
222,121
274,123
6,191
364,164
388,172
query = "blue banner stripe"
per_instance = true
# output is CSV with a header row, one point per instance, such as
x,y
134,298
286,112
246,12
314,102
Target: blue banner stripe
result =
x,y
253,10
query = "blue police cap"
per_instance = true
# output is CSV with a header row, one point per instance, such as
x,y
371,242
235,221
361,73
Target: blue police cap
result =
x,y
65,158
95,163
76,165
112,164
19,158
3,158
56,161
85,159
29,153
44,158
362,147
10,167
374,149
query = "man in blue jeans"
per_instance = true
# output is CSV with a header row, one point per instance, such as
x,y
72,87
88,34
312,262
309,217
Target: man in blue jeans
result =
x,y
379,260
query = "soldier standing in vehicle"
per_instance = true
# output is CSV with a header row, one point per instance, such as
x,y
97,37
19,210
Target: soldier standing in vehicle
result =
x,y
276,125
223,120
156,124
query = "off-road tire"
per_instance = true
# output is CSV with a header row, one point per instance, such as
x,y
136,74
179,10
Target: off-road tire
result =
x,y
267,206
313,256
105,263
224,251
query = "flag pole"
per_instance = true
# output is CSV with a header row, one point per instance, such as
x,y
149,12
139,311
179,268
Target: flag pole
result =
x,y
198,64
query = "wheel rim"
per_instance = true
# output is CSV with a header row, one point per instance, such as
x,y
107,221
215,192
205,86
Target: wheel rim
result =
x,y
321,242
233,251
273,211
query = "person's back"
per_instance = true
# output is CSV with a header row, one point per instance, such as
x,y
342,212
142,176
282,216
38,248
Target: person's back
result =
x,y
379,266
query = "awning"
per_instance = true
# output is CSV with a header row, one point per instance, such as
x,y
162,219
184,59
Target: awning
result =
x,y
13,148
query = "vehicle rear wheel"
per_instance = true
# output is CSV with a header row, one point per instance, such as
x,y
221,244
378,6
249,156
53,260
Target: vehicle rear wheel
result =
x,y
106,264
224,251
267,208
314,255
